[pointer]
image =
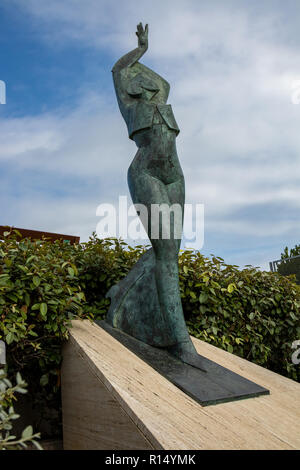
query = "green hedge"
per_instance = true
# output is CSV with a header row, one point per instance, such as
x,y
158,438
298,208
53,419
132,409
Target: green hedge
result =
x,y
292,252
254,314
290,267
39,295
43,285
101,264
8,441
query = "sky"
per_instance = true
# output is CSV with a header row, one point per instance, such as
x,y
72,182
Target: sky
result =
x,y
234,71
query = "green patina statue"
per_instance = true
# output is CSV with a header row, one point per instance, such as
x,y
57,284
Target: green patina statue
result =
x,y
146,304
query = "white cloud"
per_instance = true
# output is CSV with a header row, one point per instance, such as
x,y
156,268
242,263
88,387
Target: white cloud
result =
x,y
231,75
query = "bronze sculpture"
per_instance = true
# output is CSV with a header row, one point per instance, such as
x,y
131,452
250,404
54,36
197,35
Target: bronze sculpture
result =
x,y
145,313
154,177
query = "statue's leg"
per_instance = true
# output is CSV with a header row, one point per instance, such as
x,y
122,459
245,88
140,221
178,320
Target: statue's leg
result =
x,y
176,195
184,348
148,190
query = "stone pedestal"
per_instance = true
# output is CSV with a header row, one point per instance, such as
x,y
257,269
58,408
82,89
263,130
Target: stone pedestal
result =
x,y
113,400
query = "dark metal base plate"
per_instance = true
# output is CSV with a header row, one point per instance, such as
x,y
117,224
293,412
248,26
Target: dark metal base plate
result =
x,y
216,385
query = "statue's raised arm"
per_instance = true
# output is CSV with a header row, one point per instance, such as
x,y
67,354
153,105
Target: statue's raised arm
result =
x,y
132,57
121,72
136,83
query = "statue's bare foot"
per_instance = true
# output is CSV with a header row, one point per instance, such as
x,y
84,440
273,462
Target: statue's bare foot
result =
x,y
187,353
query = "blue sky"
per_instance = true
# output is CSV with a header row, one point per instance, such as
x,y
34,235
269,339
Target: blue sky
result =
x,y
231,65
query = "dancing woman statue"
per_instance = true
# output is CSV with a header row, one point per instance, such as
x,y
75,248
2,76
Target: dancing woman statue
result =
x,y
147,304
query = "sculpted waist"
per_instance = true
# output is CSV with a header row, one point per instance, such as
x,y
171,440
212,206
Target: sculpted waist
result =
x,y
158,137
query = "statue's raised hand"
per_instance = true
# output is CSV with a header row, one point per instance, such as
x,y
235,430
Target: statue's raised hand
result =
x,y
142,34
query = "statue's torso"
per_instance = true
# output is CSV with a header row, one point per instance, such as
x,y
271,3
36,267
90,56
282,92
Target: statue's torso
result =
x,y
144,114
157,155
142,96
145,94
